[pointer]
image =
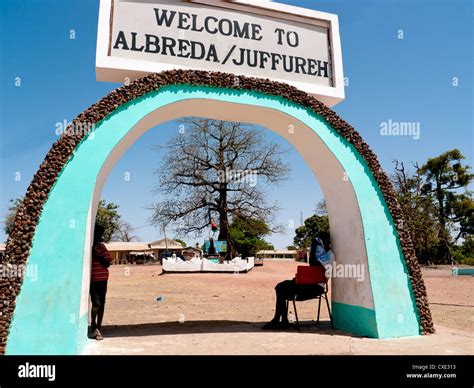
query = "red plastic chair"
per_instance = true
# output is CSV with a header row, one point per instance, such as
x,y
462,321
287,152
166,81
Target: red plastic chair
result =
x,y
311,275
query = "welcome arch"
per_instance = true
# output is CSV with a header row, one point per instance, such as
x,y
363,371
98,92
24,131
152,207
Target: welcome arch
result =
x,y
53,228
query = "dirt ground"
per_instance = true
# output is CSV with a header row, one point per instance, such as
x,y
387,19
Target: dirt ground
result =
x,y
150,313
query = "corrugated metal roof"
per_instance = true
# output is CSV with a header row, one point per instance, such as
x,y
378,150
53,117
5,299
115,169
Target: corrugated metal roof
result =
x,y
164,244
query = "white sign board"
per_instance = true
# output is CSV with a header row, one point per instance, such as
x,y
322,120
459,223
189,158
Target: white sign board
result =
x,y
268,40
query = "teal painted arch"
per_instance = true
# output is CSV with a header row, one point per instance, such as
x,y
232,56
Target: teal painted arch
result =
x,y
48,317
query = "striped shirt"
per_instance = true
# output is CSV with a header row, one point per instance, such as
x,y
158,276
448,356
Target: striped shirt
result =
x,y
99,272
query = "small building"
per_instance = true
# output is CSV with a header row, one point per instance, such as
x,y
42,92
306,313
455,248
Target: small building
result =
x,y
276,254
166,247
128,252
190,252
137,252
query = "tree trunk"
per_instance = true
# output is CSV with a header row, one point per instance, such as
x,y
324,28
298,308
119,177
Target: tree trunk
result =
x,y
443,234
224,234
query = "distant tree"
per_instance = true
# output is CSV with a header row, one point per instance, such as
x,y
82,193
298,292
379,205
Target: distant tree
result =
x,y
291,248
464,253
124,232
468,246
247,236
443,176
109,217
216,170
181,242
462,214
15,205
313,226
420,212
321,208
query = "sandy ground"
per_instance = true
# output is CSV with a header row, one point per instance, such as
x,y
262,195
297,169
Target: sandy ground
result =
x,y
223,313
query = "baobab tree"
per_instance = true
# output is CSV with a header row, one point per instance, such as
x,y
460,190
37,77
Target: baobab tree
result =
x,y
216,170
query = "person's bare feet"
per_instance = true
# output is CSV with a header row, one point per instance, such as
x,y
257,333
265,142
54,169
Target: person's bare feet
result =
x,y
98,335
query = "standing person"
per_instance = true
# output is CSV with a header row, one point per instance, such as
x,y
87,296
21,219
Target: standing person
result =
x,y
101,261
212,251
287,289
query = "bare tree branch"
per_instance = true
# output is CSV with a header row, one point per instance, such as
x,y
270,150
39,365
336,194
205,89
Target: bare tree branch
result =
x,y
219,170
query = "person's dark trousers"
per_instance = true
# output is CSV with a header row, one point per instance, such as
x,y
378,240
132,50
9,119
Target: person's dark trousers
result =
x,y
284,291
98,291
287,290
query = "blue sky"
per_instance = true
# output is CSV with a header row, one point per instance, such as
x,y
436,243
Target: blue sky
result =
x,y
411,79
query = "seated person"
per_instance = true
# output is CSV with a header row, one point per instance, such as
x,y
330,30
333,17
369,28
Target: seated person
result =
x,y
287,289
